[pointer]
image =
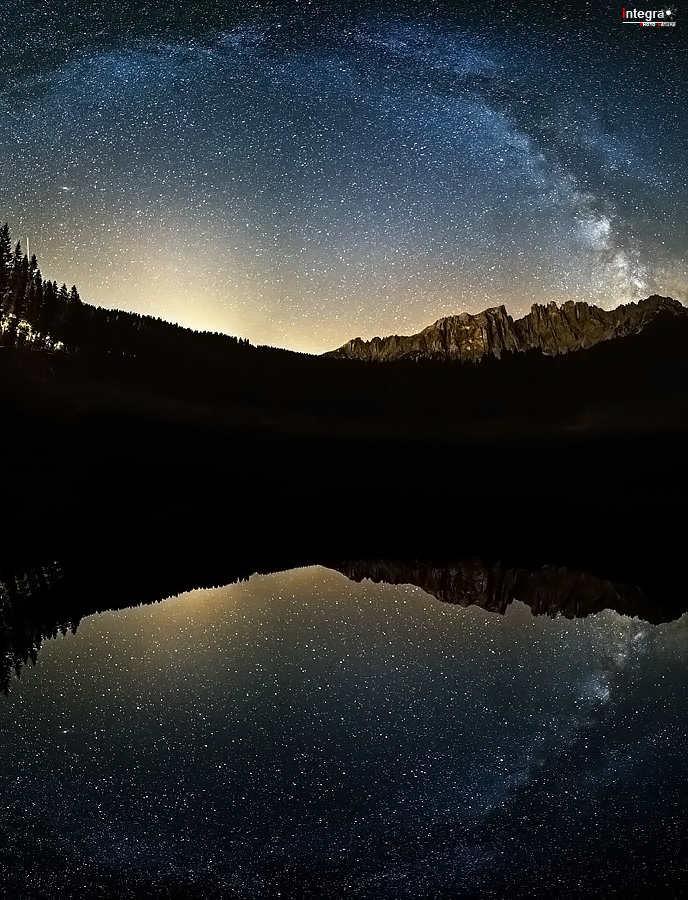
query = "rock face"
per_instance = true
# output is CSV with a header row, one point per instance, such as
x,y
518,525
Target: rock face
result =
x,y
553,329
552,590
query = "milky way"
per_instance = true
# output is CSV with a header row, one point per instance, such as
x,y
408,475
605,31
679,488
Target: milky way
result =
x,y
301,726
303,177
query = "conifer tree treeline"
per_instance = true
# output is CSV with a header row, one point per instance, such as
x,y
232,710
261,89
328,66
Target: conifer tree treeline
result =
x,y
37,313
32,309
29,614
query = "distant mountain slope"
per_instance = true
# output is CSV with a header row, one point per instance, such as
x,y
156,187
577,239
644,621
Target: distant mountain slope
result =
x,y
552,329
550,590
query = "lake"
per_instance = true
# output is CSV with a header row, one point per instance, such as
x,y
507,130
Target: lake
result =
x,y
303,735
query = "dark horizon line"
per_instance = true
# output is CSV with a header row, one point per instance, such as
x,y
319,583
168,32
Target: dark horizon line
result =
x,y
442,318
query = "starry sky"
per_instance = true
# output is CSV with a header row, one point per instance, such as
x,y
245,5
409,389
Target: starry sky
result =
x,y
301,174
397,743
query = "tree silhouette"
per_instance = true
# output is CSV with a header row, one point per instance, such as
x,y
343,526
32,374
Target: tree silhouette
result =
x,y
5,260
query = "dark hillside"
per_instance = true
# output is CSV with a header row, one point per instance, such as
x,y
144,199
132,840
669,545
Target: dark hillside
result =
x,y
121,429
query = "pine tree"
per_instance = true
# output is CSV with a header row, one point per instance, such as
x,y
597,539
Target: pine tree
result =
x,y
50,309
36,312
22,288
5,260
54,313
19,273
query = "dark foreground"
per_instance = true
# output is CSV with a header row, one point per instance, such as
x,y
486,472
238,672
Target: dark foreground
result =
x,y
171,472
560,481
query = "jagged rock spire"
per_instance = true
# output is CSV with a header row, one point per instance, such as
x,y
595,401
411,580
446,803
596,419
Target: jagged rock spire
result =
x,y
551,328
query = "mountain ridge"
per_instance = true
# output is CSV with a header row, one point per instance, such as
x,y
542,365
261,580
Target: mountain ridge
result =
x,y
550,590
552,329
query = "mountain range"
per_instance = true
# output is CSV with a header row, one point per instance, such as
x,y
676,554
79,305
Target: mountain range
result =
x,y
122,429
549,590
552,329
53,597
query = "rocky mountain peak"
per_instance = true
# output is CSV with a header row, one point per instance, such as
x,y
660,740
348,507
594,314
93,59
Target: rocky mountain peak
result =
x,y
552,328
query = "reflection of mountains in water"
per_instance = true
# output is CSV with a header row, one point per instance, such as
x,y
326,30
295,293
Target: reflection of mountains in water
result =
x,y
551,591
38,603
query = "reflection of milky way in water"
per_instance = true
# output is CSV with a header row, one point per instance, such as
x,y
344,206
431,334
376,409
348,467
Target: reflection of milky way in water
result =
x,y
302,727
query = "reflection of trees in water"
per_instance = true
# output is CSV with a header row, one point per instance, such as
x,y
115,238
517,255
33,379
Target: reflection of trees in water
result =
x,y
43,601
38,603
28,616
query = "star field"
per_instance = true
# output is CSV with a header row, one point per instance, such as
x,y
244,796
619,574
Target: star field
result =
x,y
302,176
393,745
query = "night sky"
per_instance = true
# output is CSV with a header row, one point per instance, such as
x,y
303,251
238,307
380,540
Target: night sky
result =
x,y
301,174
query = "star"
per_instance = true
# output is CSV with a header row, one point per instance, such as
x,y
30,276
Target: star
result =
x,y
344,179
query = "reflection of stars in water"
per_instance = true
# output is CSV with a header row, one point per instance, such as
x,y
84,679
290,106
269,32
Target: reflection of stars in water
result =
x,y
366,735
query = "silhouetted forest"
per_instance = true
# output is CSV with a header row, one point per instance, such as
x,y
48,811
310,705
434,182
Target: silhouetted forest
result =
x,y
37,604
148,352
129,437
36,313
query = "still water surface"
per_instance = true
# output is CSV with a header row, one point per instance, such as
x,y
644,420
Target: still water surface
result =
x,y
303,735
